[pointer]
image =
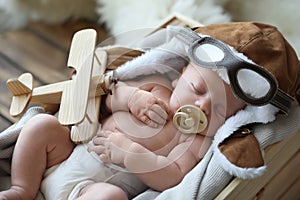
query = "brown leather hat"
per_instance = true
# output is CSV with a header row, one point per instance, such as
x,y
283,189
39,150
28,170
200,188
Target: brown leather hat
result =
x,y
266,46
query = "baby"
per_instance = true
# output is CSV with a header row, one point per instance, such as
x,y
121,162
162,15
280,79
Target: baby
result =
x,y
136,147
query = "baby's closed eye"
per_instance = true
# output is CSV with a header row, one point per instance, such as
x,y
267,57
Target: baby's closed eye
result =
x,y
199,90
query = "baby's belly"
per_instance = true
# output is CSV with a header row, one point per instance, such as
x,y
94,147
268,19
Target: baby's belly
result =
x,y
160,139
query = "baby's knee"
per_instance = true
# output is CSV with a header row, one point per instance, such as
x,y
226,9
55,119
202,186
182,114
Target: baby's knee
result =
x,y
42,123
117,193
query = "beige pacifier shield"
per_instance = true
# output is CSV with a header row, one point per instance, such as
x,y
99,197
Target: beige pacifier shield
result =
x,y
190,119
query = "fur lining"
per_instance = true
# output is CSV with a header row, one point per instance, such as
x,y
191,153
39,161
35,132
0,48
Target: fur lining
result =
x,y
169,57
249,115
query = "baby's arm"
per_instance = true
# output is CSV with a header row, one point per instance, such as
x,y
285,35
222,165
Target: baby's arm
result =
x,y
118,101
160,172
156,171
144,99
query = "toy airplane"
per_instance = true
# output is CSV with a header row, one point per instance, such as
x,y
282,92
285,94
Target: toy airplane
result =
x,y
79,98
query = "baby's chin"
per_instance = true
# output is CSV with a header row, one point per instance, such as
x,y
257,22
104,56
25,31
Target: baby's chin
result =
x,y
204,132
209,131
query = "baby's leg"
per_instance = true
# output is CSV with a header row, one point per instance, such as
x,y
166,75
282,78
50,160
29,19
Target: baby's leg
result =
x,y
101,191
42,143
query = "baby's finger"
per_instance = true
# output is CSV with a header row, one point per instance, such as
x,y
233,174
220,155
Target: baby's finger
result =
x,y
147,121
100,141
103,133
156,117
104,158
157,114
97,149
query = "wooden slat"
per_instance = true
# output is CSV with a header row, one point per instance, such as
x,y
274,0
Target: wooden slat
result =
x,y
293,192
282,181
8,70
61,34
177,19
34,55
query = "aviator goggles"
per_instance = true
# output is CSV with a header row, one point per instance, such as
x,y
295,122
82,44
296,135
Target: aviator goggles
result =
x,y
200,50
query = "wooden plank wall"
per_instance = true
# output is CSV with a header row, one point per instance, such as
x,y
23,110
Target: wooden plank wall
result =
x,y
40,49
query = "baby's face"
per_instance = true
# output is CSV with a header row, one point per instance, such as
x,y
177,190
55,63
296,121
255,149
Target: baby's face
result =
x,y
205,89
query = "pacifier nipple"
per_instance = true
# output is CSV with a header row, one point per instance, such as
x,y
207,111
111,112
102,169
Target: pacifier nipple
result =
x,y
190,119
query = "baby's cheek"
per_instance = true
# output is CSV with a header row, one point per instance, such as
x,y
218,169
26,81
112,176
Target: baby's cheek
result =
x,y
174,104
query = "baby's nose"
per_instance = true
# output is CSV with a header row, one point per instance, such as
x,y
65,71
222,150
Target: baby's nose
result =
x,y
204,104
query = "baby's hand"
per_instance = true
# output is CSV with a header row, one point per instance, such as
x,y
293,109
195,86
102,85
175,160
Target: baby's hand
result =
x,y
111,146
148,108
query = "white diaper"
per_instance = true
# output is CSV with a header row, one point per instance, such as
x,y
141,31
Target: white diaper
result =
x,y
59,181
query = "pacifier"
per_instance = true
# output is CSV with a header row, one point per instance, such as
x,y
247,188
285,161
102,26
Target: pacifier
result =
x,y
190,119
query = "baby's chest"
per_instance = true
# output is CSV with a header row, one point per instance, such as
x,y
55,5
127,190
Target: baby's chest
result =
x,y
161,140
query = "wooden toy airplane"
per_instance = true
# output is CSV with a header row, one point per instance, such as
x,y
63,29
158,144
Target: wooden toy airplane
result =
x,y
79,98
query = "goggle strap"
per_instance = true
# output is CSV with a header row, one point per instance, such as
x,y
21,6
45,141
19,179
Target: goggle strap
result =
x,y
186,35
282,101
